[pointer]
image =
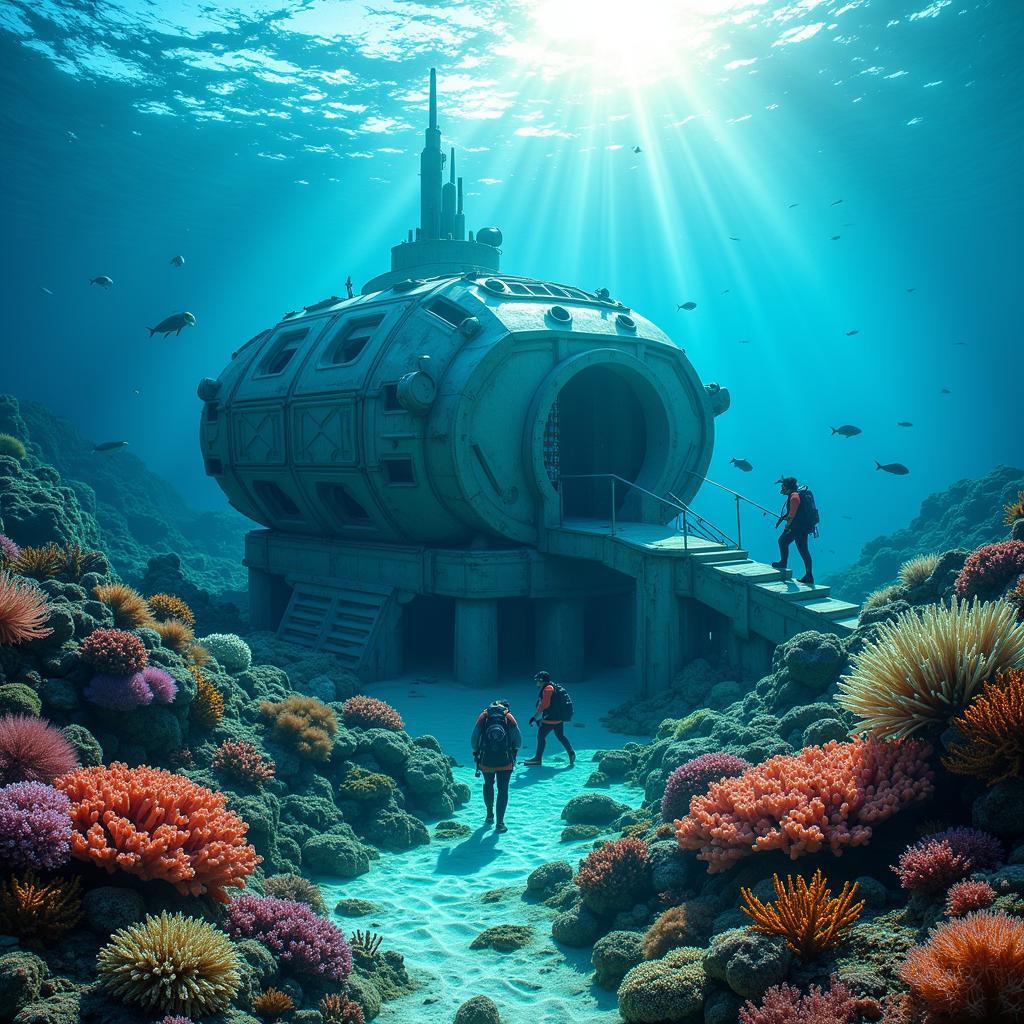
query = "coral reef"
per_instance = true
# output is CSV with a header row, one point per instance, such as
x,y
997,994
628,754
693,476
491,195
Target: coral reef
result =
x,y
23,611
694,777
935,862
786,1004
123,693
915,572
685,925
157,824
39,911
129,607
303,723
113,652
992,728
175,635
990,569
167,606
922,669
614,876
298,937
272,1003
826,796
35,826
243,761
12,447
32,750
661,990
296,889
208,705
231,652
806,916
966,897
371,713
170,964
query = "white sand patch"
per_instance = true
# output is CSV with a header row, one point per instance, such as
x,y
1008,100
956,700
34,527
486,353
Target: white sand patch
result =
x,y
431,896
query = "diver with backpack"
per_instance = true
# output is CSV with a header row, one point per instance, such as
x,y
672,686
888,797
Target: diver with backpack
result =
x,y
554,709
800,514
495,741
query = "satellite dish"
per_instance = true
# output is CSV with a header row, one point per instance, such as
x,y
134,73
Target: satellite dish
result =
x,y
489,236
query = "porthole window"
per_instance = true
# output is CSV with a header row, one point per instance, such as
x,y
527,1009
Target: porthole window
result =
x,y
495,284
281,352
349,340
627,323
560,314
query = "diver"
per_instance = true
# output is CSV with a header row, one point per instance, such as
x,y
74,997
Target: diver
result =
x,y
554,709
496,739
800,514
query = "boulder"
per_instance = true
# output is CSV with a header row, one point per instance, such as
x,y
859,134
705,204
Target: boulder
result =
x,y
336,853
592,809
615,954
747,962
546,879
478,1010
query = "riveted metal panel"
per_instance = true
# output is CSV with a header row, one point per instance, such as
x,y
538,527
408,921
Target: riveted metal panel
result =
x,y
257,435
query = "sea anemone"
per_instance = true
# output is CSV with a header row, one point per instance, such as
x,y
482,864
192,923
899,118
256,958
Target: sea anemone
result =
x,y
272,1003
12,447
23,611
76,561
39,911
921,670
170,963
992,728
167,606
128,605
882,596
175,635
35,826
32,750
38,563
917,570
1014,510
113,652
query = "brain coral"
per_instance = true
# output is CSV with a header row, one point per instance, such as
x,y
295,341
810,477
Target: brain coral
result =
x,y
694,777
170,963
113,652
35,826
970,969
32,750
826,796
23,611
922,669
231,651
989,569
371,714
157,824
671,989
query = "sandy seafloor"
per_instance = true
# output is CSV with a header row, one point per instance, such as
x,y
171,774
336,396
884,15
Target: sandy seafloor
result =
x,y
431,896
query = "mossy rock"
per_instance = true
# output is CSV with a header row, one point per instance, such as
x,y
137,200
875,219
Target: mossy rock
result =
x,y
592,809
352,907
670,989
576,833
19,699
451,830
505,938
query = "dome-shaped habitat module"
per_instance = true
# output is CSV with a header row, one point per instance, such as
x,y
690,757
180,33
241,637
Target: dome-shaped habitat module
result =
x,y
451,458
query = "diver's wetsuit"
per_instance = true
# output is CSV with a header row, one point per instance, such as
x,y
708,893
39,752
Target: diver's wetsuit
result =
x,y
798,536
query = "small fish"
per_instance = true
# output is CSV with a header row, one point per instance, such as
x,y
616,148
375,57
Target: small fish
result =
x,y
910,290
850,334
727,290
733,238
45,289
847,517
745,341
964,343
637,149
847,430
945,391
136,391
110,446
835,238
904,423
686,305
741,464
103,281
793,205
896,468
177,261
71,136
837,202
176,322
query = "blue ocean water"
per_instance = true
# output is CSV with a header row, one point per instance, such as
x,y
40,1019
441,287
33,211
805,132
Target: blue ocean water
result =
x,y
801,171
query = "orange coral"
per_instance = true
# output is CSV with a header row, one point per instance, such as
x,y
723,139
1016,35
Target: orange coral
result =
x,y
272,1003
993,731
827,796
208,705
199,655
339,1009
39,563
305,723
805,915
39,911
175,635
128,605
156,824
167,606
970,969
1013,510
23,611
685,925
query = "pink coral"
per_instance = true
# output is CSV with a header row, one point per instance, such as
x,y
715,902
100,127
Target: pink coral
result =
x,y
786,1004
990,568
243,761
9,551
23,611
965,897
827,796
937,861
694,777
32,750
113,652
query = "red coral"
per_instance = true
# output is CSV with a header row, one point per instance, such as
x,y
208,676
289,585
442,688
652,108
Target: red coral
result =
x,y
615,876
970,969
786,1004
113,652
965,897
243,761
32,750
990,568
23,611
826,796
371,714
156,824
937,861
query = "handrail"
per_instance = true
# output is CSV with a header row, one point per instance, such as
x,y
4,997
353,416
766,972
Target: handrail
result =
x,y
739,497
683,511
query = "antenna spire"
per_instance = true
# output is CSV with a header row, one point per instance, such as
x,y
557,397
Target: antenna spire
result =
x,y
433,98
451,169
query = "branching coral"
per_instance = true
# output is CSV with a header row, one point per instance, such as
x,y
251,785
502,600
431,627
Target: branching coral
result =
x,y
786,1004
1013,510
272,1003
35,826
827,796
166,606
937,861
113,652
366,786
990,568
694,777
128,605
296,889
156,824
76,561
38,563
922,669
967,896
916,571
32,750
306,724
39,911
243,761
992,727
123,693
170,963
208,704
23,611
615,876
970,969
338,1009
9,551
175,635
296,936
368,943
806,916
371,713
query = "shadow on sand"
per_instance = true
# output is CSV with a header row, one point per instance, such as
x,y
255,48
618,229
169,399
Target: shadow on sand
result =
x,y
469,856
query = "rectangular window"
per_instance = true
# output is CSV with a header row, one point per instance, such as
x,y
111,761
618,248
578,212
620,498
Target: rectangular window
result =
x,y
390,393
399,471
349,340
341,506
447,311
214,467
281,352
275,500
212,412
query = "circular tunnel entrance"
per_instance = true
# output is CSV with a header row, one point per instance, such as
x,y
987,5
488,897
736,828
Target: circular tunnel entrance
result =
x,y
601,428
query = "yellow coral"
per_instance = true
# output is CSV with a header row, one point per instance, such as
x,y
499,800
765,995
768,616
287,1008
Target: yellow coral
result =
x,y
208,706
175,635
272,1003
39,911
128,605
38,563
880,597
167,606
1014,510
916,571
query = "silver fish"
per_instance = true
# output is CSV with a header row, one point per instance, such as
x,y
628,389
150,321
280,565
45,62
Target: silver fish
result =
x,y
103,281
176,322
110,446
177,261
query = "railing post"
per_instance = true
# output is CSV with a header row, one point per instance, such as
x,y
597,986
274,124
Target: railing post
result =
x,y
686,534
613,506
739,527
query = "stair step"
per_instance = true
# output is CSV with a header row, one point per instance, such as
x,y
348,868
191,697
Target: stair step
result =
x,y
719,555
751,572
790,590
830,607
851,623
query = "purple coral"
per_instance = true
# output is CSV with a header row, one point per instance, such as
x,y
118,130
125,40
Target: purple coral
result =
x,y
176,1020
9,551
123,693
161,684
937,861
694,777
293,933
35,826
